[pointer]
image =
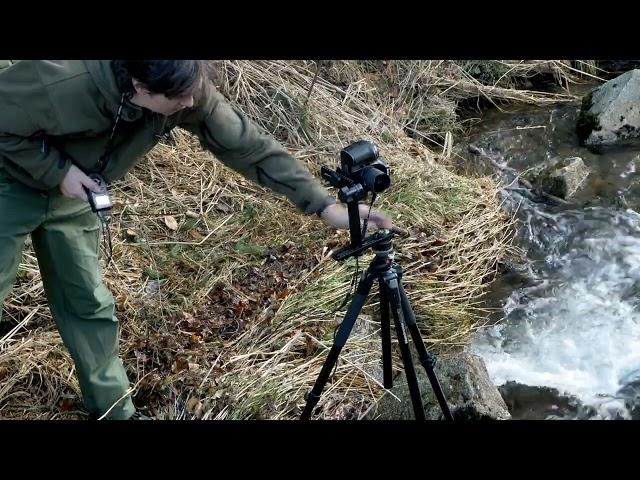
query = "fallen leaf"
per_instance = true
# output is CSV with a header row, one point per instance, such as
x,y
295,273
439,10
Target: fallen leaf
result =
x,y
65,404
239,309
195,235
179,365
284,293
218,394
194,405
310,346
171,222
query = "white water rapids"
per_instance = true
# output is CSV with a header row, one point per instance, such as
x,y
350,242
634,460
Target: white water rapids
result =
x,y
574,325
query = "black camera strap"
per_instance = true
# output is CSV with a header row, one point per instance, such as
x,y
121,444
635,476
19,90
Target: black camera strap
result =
x,y
103,161
365,223
104,217
106,156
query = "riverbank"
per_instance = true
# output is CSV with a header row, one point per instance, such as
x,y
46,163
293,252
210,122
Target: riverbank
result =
x,y
229,298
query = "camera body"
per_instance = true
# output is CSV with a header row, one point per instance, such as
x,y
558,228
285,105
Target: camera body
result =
x,y
361,171
361,163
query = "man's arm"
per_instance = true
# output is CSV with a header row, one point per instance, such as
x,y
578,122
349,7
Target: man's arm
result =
x,y
240,145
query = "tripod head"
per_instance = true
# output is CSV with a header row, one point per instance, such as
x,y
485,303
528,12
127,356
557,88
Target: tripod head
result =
x,y
361,171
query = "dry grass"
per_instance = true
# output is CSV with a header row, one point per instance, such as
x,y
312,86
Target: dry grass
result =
x,y
229,298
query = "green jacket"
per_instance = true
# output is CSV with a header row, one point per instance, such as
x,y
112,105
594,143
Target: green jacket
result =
x,y
53,113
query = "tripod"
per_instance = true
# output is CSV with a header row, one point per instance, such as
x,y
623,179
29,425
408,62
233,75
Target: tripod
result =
x,y
392,298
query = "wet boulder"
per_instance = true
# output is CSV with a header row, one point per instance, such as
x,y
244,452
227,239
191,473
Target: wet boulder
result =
x,y
466,385
610,114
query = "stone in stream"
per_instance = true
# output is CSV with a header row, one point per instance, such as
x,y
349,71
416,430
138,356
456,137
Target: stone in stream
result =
x,y
561,178
466,385
610,114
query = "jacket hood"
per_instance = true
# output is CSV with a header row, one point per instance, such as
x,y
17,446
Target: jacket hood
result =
x,y
102,73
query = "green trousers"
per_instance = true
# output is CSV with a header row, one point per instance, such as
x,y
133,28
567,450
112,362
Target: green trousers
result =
x,y
66,239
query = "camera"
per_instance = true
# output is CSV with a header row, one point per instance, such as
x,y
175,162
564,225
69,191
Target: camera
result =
x,y
361,171
361,162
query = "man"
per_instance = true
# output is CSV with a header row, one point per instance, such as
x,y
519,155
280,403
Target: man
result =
x,y
62,120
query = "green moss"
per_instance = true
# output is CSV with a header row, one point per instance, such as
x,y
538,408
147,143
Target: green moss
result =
x,y
248,214
587,121
189,224
153,274
248,248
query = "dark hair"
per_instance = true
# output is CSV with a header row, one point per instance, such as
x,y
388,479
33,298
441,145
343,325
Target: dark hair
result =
x,y
169,77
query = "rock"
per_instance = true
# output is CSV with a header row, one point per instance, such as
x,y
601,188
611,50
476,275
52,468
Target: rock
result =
x,y
610,114
527,402
562,178
533,402
465,382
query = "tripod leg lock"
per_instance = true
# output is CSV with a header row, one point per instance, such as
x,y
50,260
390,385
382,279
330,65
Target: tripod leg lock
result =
x,y
312,399
429,360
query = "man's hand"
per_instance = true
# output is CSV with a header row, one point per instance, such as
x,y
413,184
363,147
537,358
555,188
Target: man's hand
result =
x,y
337,216
73,183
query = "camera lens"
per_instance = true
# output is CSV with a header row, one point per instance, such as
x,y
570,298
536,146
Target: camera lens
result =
x,y
375,180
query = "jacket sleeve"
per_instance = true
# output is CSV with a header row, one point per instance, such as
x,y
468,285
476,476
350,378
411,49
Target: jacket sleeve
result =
x,y
21,138
239,144
34,156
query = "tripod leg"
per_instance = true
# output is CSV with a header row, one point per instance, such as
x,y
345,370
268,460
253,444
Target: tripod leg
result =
x,y
427,359
385,333
364,286
391,285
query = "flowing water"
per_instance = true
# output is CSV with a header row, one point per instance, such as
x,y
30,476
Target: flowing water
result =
x,y
568,341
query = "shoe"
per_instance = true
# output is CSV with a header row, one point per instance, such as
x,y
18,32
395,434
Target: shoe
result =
x,y
139,416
